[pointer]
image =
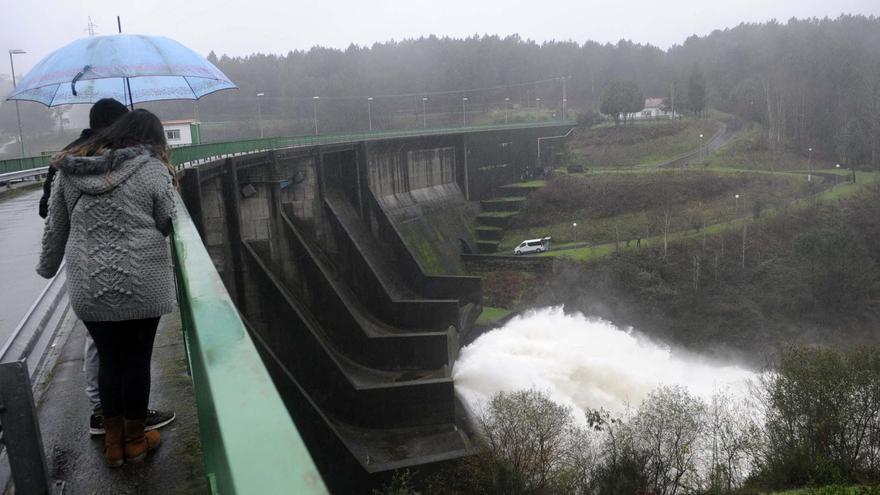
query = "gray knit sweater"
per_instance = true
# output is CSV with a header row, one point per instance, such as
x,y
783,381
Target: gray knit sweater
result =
x,y
109,214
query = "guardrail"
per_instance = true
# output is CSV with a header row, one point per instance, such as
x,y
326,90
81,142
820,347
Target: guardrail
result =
x,y
249,441
38,327
22,174
201,152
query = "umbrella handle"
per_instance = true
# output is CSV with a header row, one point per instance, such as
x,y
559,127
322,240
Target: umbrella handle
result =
x,y
76,78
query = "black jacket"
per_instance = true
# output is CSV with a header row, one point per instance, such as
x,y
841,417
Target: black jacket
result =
x,y
50,175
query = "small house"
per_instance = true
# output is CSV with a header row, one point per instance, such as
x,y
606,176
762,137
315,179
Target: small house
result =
x,y
654,109
182,132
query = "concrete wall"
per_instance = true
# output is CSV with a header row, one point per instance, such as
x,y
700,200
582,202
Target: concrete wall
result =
x,y
337,256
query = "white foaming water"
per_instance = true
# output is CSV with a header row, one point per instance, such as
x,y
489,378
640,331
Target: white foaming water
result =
x,y
581,362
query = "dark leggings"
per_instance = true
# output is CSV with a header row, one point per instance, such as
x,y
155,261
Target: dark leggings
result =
x,y
125,349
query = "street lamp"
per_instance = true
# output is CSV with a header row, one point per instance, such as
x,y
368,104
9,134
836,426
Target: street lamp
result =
x,y
369,112
315,111
538,104
564,102
17,51
424,115
260,112
736,210
506,110
464,111
810,165
701,147
573,236
852,169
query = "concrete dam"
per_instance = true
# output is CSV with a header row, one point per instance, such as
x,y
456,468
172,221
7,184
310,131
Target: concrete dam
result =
x,y
344,262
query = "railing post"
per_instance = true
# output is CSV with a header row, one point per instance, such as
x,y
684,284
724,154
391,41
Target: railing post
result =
x,y
231,195
191,192
21,430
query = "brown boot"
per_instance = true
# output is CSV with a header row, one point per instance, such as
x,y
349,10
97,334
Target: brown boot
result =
x,y
138,442
113,445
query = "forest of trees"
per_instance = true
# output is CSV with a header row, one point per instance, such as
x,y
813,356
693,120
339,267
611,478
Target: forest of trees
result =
x,y
814,83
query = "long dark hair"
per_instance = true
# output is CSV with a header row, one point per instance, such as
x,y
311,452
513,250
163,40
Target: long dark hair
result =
x,y
136,128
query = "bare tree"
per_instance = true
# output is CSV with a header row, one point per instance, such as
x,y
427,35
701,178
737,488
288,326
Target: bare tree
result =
x,y
668,426
537,439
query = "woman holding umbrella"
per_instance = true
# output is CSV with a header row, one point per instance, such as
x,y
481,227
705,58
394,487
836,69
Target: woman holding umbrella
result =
x,y
110,209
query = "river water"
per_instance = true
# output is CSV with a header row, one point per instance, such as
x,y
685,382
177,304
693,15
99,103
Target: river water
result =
x,y
583,362
20,232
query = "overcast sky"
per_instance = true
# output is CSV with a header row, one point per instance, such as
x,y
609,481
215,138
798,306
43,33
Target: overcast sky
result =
x,y
244,27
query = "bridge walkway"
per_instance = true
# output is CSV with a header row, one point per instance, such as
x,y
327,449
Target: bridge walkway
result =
x,y
77,458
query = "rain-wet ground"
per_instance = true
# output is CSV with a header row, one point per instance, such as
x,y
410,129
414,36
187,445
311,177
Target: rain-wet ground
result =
x,y
20,232
77,459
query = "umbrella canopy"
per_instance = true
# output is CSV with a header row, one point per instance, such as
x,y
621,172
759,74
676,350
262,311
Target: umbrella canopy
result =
x,y
131,68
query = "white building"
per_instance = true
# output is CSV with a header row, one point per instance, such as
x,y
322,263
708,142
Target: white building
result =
x,y
653,110
182,132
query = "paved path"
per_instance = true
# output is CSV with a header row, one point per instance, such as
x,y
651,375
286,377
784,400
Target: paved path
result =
x,y
77,458
721,138
20,233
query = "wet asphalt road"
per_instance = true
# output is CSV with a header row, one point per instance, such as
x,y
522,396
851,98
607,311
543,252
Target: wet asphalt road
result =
x,y
20,233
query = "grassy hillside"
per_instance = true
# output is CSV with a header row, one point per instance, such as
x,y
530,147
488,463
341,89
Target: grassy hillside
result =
x,y
789,260
641,143
750,151
806,274
627,207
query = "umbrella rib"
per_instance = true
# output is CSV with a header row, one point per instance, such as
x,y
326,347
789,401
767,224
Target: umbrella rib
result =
x,y
54,95
190,87
215,91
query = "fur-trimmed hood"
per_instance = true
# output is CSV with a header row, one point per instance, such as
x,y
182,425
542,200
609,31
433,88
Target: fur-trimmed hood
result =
x,y
100,173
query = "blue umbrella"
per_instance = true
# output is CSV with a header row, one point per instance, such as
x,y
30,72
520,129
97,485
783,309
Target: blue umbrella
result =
x,y
131,68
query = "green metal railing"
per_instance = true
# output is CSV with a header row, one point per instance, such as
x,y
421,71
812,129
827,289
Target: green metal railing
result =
x,y
249,442
196,152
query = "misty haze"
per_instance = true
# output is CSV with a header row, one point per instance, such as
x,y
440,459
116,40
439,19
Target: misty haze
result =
x,y
441,248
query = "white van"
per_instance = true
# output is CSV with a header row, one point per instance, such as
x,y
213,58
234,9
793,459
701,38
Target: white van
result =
x,y
533,246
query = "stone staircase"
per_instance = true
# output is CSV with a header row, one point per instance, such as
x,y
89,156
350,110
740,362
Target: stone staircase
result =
x,y
497,214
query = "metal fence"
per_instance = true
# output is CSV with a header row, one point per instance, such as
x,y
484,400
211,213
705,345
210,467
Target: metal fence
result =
x,y
201,152
249,441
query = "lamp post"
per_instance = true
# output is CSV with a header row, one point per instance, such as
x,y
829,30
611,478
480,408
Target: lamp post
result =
x,y
370,112
538,105
810,165
506,110
701,146
424,115
736,209
464,111
564,97
260,112
315,111
573,236
852,169
17,51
